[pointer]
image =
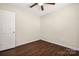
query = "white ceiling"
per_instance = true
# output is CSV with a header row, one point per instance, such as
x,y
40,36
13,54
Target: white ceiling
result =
x,y
36,10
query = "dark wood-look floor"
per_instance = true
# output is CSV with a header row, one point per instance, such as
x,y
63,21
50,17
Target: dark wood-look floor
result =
x,y
40,48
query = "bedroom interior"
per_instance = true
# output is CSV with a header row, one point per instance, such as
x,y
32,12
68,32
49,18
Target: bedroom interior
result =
x,y
39,29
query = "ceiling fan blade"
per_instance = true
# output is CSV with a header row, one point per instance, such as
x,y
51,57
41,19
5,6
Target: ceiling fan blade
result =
x,y
50,3
33,5
42,8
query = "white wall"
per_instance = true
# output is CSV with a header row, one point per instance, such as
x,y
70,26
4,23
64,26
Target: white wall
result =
x,y
27,25
61,27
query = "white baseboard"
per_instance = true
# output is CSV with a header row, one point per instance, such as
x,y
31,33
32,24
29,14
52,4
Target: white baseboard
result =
x,y
26,42
73,48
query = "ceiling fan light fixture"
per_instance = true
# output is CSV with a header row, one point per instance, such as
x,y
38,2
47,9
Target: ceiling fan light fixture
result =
x,y
40,4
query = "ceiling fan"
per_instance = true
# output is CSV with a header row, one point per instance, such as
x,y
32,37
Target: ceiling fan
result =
x,y
41,5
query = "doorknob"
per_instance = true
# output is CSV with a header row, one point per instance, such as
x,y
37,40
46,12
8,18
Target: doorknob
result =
x,y
13,32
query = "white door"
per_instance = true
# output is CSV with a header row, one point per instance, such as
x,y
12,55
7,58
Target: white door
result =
x,y
7,30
